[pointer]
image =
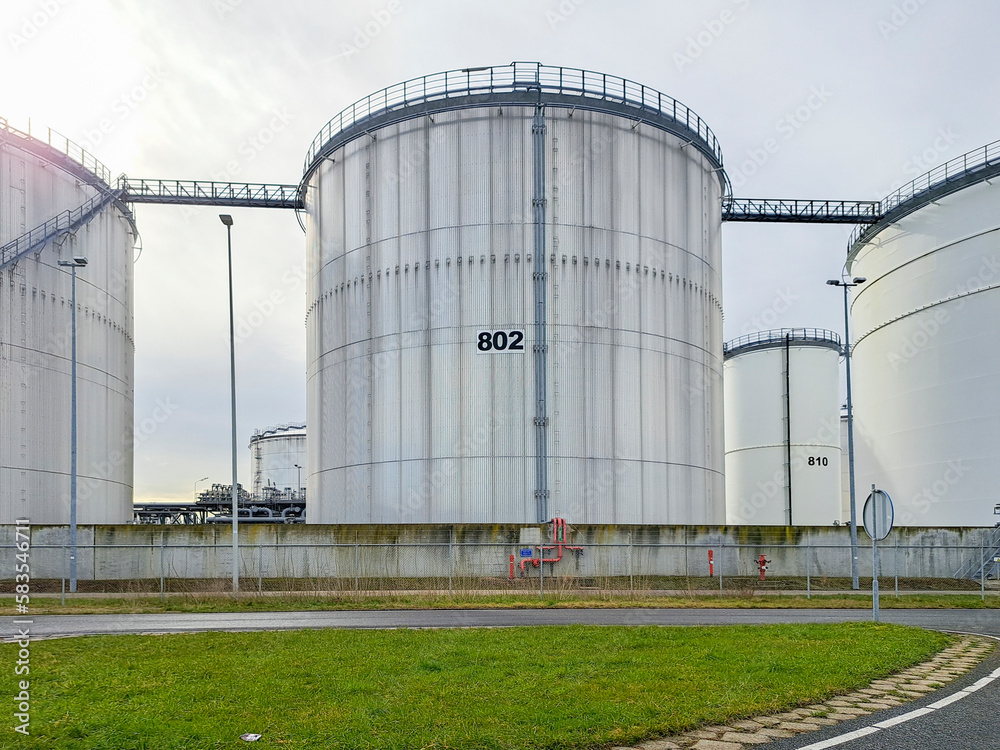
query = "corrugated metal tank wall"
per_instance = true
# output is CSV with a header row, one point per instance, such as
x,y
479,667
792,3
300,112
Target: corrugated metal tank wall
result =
x,y
635,325
926,360
781,473
420,237
35,352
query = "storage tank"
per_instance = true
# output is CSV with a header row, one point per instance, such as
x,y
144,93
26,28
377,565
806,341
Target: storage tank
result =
x,y
278,461
782,395
514,304
925,355
61,196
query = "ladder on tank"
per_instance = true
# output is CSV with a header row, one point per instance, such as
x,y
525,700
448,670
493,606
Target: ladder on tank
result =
x,y
985,562
63,223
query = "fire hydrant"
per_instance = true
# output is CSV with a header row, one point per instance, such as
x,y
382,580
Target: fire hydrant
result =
x,y
762,565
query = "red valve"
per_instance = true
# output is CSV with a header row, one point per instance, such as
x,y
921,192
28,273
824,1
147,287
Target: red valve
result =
x,y
762,563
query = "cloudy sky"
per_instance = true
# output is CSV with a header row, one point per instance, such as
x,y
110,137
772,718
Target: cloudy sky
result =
x,y
840,100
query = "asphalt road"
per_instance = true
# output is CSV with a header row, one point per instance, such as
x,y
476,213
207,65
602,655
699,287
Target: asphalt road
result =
x,y
986,622
970,723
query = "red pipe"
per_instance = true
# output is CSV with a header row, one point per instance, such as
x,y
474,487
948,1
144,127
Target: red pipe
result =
x,y
711,565
512,567
558,543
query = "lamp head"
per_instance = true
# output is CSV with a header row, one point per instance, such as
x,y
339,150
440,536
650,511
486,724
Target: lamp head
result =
x,y
860,279
833,282
226,219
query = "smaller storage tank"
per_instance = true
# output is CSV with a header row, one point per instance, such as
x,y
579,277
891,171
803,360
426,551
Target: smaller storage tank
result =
x,y
782,428
278,462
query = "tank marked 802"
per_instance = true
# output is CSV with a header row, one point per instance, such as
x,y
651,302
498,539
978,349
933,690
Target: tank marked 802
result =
x,y
500,341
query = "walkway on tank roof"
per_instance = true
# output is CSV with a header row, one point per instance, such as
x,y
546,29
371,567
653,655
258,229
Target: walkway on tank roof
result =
x,y
444,90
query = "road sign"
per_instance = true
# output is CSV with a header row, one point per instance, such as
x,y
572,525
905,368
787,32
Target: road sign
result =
x,y
878,515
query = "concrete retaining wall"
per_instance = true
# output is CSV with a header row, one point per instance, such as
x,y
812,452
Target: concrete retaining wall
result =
x,y
419,551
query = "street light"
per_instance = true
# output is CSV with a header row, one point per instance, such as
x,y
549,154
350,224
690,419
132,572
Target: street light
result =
x,y
78,261
196,487
298,491
228,221
850,426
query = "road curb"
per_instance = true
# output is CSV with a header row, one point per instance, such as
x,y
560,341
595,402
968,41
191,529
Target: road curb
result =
x,y
911,684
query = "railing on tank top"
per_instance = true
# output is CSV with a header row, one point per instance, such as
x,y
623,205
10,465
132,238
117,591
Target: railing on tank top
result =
x,y
518,76
62,145
781,334
978,160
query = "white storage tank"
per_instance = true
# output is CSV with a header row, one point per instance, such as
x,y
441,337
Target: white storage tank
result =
x,y
41,179
278,462
514,304
925,360
783,431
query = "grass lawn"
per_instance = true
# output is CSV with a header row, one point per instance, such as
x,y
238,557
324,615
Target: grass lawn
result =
x,y
253,602
547,687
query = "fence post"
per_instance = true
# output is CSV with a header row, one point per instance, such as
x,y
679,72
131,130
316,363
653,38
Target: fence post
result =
x,y
982,570
895,565
541,569
162,572
62,598
687,570
356,562
808,573
451,560
722,549
260,567
631,563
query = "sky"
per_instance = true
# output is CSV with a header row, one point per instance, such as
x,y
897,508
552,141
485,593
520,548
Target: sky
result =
x,y
826,100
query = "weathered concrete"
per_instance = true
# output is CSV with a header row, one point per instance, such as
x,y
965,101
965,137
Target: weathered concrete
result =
x,y
420,551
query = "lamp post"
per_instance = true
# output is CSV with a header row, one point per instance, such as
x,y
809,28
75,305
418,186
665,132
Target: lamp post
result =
x,y
228,221
298,490
78,261
850,426
196,487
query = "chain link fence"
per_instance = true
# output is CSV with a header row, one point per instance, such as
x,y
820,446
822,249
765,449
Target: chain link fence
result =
x,y
587,570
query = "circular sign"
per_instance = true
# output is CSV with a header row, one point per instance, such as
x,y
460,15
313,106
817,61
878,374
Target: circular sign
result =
x,y
878,515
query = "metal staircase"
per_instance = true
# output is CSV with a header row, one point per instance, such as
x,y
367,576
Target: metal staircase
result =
x,y
63,223
983,563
